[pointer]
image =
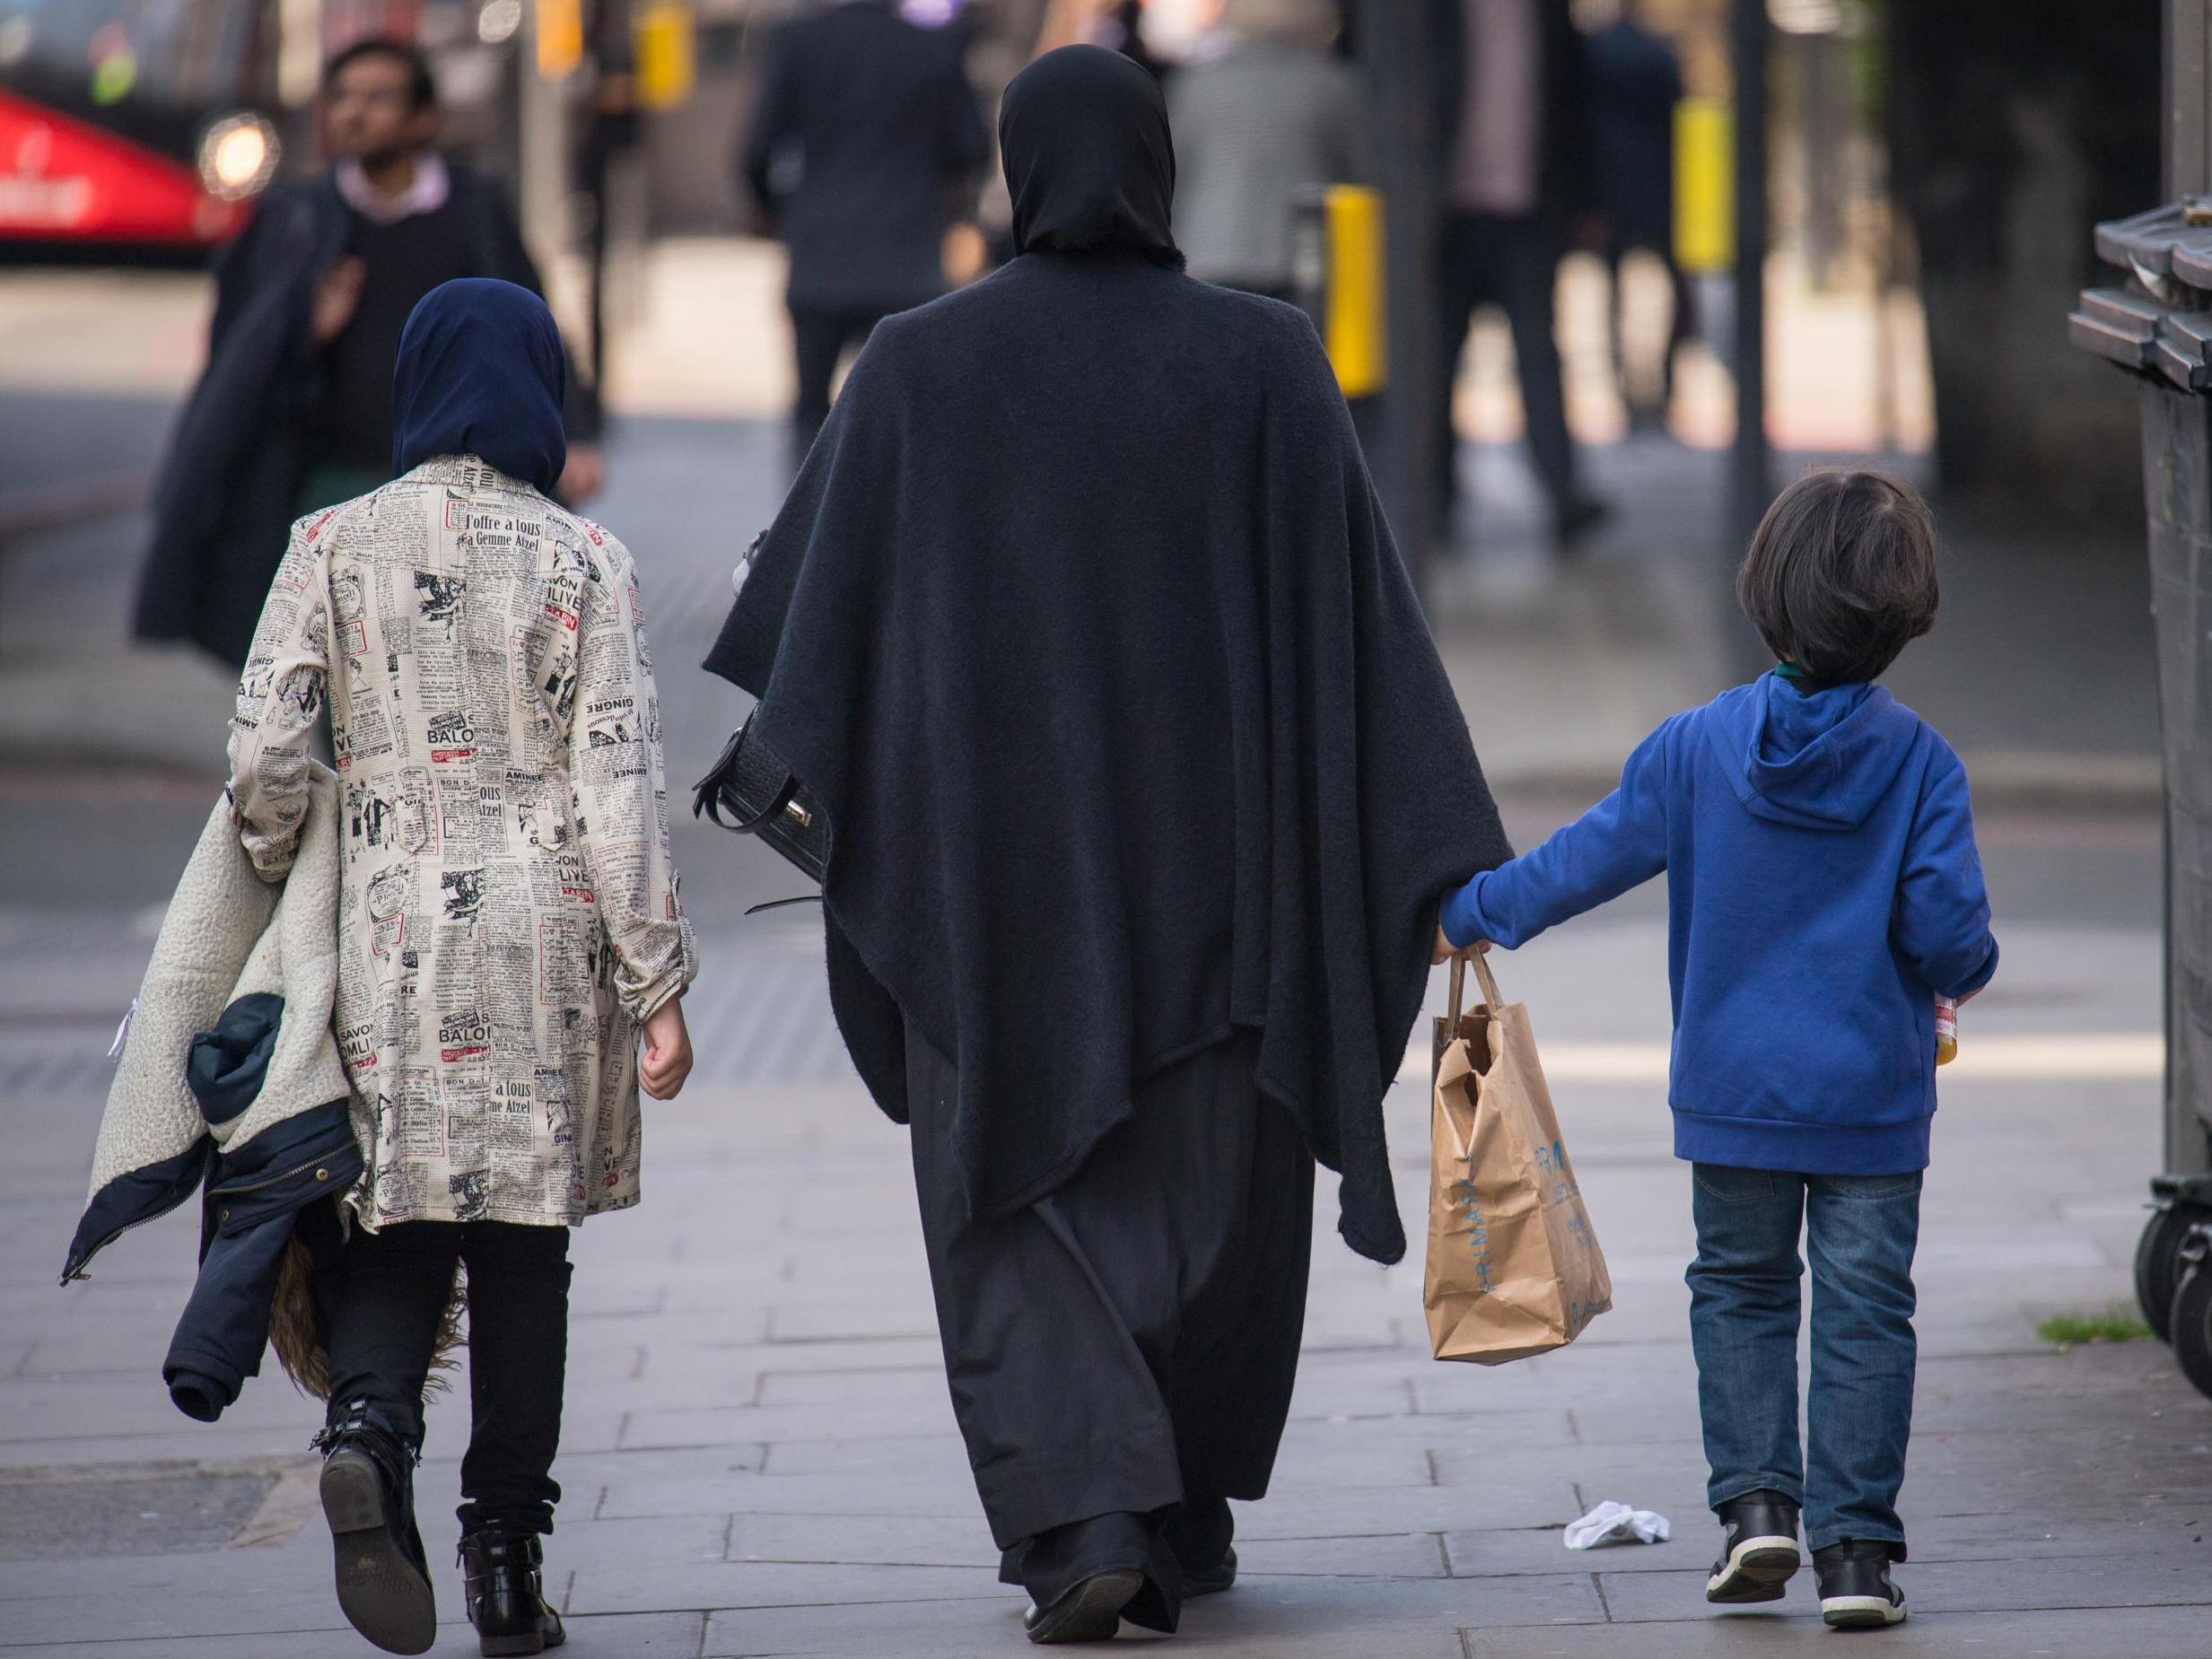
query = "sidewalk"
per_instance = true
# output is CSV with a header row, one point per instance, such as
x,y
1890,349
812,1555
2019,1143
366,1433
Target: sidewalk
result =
x,y
760,1458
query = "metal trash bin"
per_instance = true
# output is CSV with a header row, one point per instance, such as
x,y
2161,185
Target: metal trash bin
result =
x,y
2158,326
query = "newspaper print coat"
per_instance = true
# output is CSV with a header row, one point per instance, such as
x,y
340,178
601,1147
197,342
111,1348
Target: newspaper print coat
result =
x,y
508,912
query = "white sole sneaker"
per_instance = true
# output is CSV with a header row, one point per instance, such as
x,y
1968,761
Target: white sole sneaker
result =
x,y
1757,1570
1860,1613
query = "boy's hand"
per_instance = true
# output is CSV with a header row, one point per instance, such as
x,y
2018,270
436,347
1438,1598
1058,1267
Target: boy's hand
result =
x,y
666,1059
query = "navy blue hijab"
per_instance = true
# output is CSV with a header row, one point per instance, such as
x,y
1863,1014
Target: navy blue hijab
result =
x,y
481,372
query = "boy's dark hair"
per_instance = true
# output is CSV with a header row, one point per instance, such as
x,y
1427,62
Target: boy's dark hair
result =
x,y
1841,574
422,86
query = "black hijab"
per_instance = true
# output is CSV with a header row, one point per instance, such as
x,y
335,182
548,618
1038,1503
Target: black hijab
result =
x,y
481,372
1089,161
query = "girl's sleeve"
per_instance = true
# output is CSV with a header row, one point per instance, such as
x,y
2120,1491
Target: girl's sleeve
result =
x,y
279,698
1942,925
622,818
1615,846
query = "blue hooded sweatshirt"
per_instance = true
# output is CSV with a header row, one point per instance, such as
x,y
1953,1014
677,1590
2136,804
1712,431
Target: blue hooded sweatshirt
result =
x,y
1822,889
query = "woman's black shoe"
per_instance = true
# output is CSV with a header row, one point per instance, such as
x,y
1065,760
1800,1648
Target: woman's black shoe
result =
x,y
1211,1580
507,1593
1758,1550
1855,1589
1089,1612
368,1496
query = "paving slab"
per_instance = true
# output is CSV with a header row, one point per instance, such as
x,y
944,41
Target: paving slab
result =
x,y
2132,1633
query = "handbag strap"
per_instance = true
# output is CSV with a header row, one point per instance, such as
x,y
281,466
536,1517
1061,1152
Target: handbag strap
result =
x,y
709,798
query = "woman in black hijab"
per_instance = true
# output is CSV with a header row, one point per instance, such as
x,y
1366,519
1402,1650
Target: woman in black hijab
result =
x,y
1144,785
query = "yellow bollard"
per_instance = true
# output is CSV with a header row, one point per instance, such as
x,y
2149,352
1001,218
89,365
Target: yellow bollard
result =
x,y
667,39
1704,186
1347,294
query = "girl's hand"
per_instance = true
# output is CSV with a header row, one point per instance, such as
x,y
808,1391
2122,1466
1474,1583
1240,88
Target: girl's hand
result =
x,y
666,1061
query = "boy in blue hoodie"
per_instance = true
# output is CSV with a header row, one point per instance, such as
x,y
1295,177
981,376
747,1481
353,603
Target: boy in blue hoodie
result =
x,y
1823,890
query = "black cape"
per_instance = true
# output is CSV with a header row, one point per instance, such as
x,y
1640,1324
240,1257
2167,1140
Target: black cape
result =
x,y
1083,623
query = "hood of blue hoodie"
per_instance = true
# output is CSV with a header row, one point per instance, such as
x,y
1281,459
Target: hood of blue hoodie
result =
x,y
1817,759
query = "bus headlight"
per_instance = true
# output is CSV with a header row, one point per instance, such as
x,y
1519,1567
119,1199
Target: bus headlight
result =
x,y
239,155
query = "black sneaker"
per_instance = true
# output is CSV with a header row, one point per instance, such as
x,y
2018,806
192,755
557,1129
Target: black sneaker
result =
x,y
368,1496
1758,1551
1855,1589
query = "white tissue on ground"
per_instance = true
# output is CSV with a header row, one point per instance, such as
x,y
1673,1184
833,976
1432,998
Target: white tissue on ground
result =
x,y
1612,1522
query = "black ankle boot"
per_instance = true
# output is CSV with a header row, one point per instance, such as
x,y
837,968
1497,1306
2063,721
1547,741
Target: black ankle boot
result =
x,y
507,1593
368,1496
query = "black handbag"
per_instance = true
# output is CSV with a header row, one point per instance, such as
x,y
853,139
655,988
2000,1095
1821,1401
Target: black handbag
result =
x,y
761,797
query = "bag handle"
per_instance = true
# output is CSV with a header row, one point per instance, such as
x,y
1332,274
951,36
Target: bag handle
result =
x,y
1494,1000
1487,983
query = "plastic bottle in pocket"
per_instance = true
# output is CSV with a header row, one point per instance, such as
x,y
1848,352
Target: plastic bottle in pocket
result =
x,y
1947,1031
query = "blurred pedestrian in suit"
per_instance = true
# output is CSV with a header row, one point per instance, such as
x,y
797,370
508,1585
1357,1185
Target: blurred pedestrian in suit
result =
x,y
1271,114
865,146
1514,118
1635,83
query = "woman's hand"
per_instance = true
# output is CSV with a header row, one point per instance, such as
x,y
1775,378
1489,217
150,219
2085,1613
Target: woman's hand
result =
x,y
667,1061
1443,950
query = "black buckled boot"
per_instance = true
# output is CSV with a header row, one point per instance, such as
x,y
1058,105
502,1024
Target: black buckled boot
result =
x,y
368,1496
507,1593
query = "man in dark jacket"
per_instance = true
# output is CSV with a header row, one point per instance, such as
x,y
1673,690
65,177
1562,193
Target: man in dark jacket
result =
x,y
293,411
1514,120
865,143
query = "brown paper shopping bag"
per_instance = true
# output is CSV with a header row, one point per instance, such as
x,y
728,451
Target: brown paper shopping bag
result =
x,y
1514,1267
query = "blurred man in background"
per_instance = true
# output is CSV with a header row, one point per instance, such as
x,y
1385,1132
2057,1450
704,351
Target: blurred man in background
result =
x,y
1635,83
1267,117
1513,117
293,411
866,146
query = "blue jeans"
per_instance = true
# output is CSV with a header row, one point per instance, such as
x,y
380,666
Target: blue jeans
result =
x,y
1860,1231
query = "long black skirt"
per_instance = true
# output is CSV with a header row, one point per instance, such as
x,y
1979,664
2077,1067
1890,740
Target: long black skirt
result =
x,y
1122,1352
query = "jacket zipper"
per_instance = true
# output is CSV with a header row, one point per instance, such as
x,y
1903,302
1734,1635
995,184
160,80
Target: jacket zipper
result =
x,y
213,1193
110,1239
268,1181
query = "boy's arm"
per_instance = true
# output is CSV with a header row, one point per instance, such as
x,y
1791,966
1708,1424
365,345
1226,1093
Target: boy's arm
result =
x,y
1612,847
1942,927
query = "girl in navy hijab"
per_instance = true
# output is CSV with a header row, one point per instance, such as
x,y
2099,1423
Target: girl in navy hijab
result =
x,y
510,929
481,372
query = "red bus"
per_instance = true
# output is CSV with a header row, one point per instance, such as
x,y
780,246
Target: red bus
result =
x,y
139,129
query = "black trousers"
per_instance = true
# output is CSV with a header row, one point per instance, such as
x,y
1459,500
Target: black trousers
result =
x,y
1512,262
819,336
1121,1353
383,1314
